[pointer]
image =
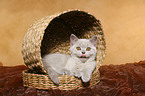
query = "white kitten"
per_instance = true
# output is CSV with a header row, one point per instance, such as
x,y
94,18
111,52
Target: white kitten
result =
x,y
81,63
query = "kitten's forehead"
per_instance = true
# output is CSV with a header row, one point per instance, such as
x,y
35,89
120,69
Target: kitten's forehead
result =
x,y
83,42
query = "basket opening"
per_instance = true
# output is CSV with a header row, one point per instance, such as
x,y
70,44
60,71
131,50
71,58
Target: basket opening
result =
x,y
60,28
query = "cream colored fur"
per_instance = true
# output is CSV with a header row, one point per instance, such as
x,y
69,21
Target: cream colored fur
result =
x,y
81,63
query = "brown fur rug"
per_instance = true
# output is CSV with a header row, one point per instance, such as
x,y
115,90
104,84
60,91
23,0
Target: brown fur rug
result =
x,y
116,80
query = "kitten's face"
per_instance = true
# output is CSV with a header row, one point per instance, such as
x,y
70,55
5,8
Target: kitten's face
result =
x,y
83,48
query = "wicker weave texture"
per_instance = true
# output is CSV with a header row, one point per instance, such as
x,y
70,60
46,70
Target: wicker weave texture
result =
x,y
32,42
40,81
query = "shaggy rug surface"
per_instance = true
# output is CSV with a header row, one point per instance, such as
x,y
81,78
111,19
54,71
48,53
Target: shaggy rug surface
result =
x,y
115,80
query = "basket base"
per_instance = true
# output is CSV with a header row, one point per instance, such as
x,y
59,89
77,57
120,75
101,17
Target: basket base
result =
x,y
41,81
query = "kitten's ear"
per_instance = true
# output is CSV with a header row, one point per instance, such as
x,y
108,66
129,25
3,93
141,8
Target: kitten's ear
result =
x,y
94,40
73,39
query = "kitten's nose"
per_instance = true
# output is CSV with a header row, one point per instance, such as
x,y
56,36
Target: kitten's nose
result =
x,y
83,52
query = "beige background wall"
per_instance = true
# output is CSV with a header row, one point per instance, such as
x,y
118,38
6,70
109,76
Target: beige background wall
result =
x,y
123,22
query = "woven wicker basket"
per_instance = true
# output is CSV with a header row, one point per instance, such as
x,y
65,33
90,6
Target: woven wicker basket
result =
x,y
50,35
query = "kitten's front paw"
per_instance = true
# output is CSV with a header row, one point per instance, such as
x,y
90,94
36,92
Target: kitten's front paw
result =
x,y
78,74
86,78
56,81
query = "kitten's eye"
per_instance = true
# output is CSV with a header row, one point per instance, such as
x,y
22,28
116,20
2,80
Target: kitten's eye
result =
x,y
88,49
78,48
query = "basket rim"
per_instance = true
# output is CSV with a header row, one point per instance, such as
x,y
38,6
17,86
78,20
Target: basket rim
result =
x,y
27,82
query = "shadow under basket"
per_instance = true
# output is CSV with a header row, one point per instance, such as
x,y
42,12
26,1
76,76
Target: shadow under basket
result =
x,y
51,34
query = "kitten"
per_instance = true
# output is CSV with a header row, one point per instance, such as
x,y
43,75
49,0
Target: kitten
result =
x,y
81,63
